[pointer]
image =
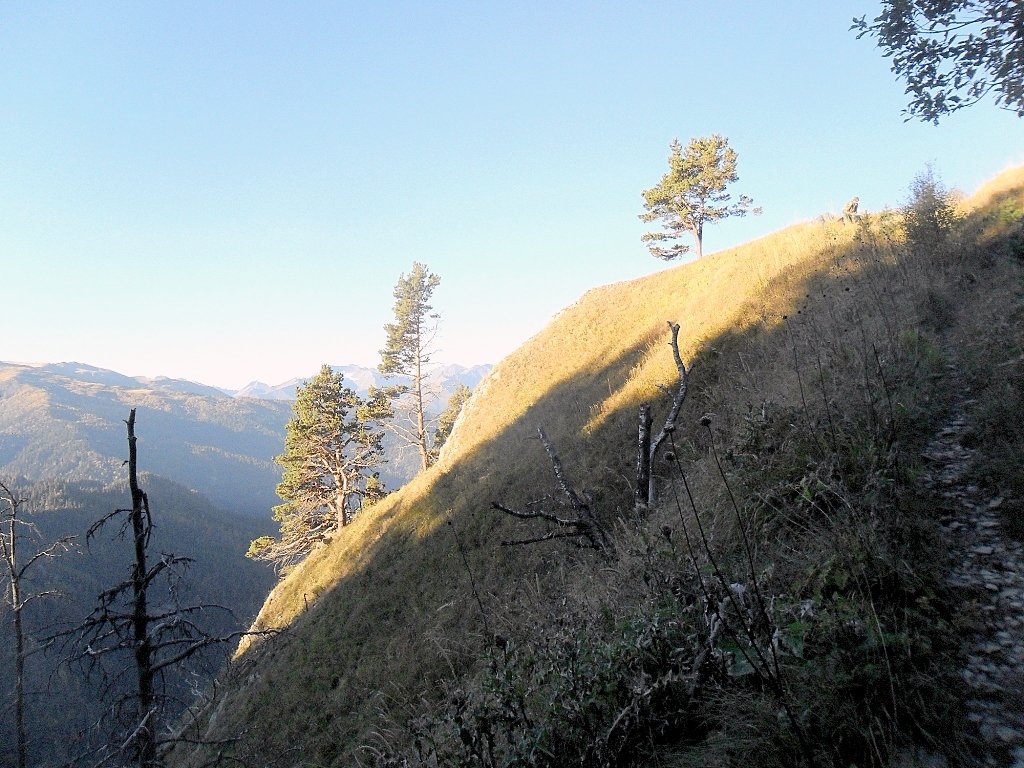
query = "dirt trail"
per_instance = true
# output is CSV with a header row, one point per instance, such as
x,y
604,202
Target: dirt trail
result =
x,y
988,566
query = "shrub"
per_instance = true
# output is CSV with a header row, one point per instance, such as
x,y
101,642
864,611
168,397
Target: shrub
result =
x,y
930,215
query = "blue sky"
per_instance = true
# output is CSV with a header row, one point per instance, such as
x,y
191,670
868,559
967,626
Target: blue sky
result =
x,y
229,191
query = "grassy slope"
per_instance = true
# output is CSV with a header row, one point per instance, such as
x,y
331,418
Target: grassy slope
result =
x,y
385,612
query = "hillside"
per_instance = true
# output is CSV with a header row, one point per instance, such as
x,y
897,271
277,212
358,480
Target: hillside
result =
x,y
823,358
65,420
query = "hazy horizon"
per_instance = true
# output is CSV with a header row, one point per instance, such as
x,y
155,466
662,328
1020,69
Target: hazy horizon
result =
x,y
217,196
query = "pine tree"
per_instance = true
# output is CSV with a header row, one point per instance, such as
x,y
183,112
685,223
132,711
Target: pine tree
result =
x,y
407,352
332,446
446,421
693,194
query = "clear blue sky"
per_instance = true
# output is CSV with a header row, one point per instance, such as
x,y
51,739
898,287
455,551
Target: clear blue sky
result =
x,y
227,191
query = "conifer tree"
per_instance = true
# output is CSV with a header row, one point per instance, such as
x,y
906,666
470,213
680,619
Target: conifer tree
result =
x,y
446,421
692,194
332,446
407,352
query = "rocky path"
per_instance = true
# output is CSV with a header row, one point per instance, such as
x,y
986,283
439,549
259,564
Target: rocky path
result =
x,y
989,566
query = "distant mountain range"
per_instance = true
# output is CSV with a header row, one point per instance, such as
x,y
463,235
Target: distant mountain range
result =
x,y
444,380
65,421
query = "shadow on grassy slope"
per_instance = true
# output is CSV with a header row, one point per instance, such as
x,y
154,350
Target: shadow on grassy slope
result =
x,y
384,614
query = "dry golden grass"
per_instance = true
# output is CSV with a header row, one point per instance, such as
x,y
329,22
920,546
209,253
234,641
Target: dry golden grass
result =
x,y
603,355
382,613
1009,182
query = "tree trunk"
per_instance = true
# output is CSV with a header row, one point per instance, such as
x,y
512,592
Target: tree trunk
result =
x,y
643,459
145,733
421,426
341,500
19,649
647,448
698,239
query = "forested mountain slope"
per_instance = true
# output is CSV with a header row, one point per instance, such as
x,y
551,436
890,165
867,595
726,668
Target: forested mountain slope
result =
x,y
821,360
65,420
64,705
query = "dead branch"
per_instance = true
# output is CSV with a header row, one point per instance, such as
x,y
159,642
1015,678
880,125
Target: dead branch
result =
x,y
647,447
580,524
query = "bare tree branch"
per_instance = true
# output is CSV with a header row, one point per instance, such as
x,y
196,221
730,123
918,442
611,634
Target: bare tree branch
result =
x,y
645,475
12,530
582,524
130,635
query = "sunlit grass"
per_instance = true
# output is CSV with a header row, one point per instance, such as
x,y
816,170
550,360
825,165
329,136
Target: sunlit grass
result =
x,y
610,351
388,598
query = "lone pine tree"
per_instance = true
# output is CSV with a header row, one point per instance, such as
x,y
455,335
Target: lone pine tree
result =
x,y
407,352
692,194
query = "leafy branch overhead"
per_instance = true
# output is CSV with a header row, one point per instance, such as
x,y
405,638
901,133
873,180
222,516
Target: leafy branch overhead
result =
x,y
692,194
953,54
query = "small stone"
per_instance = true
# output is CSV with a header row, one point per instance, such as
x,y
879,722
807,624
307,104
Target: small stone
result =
x,y
996,502
982,550
991,587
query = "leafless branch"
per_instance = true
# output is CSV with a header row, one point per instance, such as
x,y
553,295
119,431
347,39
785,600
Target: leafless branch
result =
x,y
580,525
647,446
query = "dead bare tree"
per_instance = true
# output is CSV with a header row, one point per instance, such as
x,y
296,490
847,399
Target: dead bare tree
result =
x,y
647,447
13,529
128,621
572,518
